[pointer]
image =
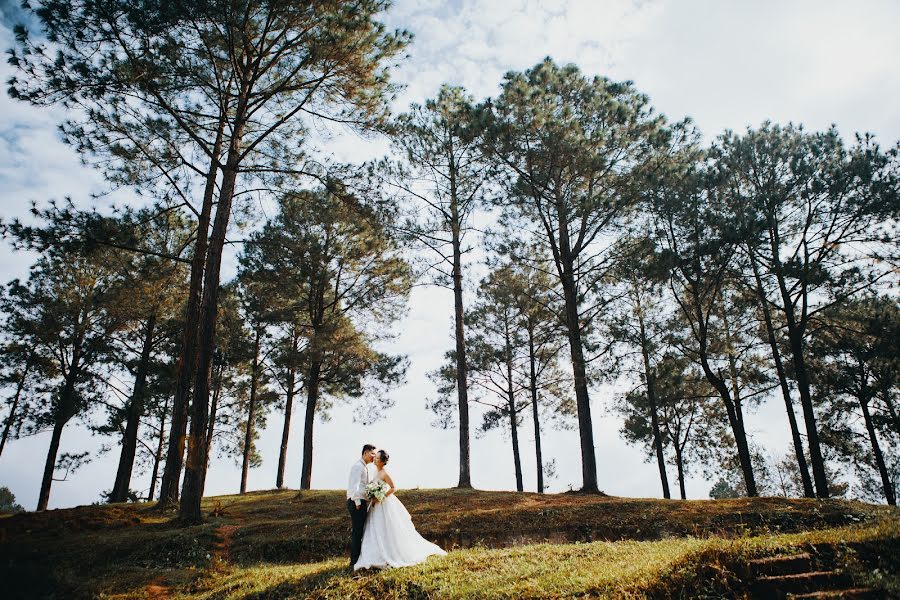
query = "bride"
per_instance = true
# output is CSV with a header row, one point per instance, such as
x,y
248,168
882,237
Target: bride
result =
x,y
390,538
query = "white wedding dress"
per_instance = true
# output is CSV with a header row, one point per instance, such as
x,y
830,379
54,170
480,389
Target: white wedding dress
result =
x,y
391,539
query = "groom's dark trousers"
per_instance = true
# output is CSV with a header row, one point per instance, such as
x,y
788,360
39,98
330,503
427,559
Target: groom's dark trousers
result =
x,y
358,520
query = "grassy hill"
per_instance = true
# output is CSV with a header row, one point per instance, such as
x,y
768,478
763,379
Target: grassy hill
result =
x,y
285,544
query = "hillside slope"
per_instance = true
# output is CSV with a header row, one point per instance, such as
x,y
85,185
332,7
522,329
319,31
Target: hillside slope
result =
x,y
282,544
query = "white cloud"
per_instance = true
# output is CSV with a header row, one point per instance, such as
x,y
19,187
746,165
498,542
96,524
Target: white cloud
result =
x,y
733,64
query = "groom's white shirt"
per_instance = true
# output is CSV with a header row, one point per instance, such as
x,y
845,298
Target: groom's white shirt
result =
x,y
359,477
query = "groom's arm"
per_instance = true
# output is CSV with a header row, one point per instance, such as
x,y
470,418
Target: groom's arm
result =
x,y
356,485
353,485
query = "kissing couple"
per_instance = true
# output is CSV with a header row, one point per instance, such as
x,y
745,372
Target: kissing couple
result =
x,y
383,534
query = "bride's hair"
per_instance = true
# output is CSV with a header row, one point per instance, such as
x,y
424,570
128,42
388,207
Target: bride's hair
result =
x,y
383,456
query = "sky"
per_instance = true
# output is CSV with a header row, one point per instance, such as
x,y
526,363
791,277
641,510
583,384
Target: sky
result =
x,y
726,64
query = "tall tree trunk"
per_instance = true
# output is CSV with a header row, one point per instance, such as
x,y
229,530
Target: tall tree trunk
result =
x,y
737,428
285,435
517,461
312,398
582,398
157,458
251,412
740,435
812,433
65,411
736,390
185,372
462,389
886,482
286,429
50,465
679,464
511,402
11,417
740,431
535,415
782,381
796,330
218,373
133,420
565,264
650,378
194,471
658,446
721,387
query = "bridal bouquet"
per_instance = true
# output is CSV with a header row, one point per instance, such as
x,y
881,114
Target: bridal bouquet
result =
x,y
376,490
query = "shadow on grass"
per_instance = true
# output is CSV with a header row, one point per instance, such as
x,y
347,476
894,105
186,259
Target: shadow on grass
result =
x,y
301,586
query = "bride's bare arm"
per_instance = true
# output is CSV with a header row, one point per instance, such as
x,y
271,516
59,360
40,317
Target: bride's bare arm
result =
x,y
390,482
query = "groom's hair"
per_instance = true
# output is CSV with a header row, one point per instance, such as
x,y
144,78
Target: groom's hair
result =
x,y
366,448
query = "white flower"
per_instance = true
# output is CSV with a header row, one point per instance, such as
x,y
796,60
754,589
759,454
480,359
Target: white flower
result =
x,y
377,490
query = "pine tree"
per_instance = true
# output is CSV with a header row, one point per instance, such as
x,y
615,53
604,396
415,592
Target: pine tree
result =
x,y
235,82
849,347
442,179
330,260
812,212
64,314
574,150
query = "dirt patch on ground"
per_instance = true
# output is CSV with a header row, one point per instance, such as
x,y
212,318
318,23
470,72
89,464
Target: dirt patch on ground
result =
x,y
222,550
157,590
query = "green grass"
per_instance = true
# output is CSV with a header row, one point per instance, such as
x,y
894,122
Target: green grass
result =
x,y
676,567
282,544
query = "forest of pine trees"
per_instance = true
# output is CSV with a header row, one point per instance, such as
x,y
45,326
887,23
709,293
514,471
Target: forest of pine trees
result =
x,y
585,238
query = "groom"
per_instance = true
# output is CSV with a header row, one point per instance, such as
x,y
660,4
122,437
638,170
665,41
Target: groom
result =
x,y
356,500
